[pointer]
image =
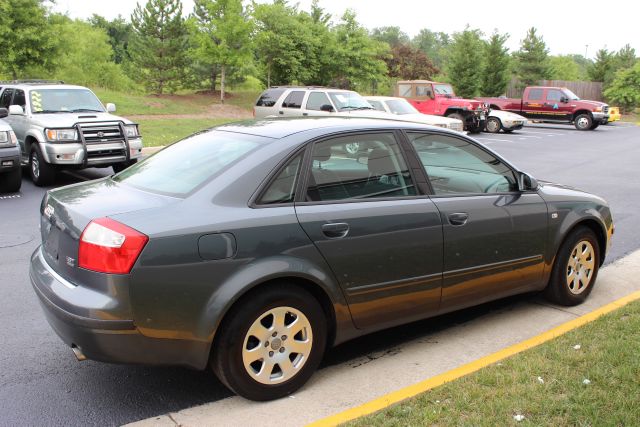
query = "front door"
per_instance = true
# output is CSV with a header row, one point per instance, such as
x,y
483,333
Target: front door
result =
x,y
494,235
555,109
381,239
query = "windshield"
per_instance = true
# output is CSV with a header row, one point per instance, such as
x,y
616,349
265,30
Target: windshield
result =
x,y
443,89
572,96
45,101
182,167
349,101
401,106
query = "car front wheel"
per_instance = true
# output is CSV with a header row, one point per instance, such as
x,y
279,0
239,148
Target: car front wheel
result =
x,y
576,268
42,173
493,125
270,343
583,122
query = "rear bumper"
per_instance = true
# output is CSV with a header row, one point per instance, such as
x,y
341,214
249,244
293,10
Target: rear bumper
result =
x,y
107,338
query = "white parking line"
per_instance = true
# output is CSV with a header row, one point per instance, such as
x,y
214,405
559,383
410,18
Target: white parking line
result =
x,y
492,139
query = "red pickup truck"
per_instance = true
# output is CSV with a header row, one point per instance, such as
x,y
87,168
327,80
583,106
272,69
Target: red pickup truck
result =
x,y
555,105
439,99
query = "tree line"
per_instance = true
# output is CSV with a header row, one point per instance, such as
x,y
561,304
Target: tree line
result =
x,y
163,48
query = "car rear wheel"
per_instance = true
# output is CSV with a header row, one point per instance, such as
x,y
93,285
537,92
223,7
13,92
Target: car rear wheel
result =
x,y
576,268
42,173
11,182
493,125
270,343
583,122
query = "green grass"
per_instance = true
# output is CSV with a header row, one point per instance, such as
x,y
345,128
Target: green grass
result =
x,y
609,357
156,132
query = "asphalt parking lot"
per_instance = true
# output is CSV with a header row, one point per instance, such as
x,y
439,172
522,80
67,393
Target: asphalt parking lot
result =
x,y
42,383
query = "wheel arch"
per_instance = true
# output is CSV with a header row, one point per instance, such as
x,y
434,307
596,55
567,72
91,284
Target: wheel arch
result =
x,y
583,111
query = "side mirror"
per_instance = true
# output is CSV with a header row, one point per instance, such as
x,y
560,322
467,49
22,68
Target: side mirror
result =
x,y
16,110
111,108
526,182
328,108
3,113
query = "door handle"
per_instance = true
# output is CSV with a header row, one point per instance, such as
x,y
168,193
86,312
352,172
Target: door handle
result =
x,y
305,114
458,218
335,230
280,112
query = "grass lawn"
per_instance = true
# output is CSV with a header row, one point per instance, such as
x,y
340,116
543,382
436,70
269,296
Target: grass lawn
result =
x,y
161,131
555,384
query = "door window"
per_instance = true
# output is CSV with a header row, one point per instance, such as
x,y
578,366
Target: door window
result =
x,y
316,100
376,104
5,100
19,99
294,99
358,167
554,95
283,188
456,166
535,94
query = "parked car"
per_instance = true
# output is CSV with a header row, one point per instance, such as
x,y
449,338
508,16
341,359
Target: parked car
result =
x,y
440,99
252,247
65,126
10,172
614,114
554,105
504,120
407,112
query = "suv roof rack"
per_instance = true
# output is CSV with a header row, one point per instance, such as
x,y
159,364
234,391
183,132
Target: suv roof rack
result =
x,y
32,82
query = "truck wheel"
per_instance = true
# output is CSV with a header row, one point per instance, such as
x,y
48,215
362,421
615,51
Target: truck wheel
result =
x,y
594,125
119,167
42,173
11,182
270,343
493,125
583,122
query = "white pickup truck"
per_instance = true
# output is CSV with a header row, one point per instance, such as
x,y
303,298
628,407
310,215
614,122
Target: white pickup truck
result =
x,y
65,126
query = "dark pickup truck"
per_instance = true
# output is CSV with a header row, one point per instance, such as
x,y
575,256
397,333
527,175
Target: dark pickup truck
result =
x,y
554,104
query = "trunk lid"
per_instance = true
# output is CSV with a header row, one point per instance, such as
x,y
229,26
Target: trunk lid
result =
x,y
65,212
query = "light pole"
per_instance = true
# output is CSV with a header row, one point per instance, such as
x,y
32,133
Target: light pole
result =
x,y
586,48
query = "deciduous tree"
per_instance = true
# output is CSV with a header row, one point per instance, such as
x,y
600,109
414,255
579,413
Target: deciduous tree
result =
x,y
408,62
625,88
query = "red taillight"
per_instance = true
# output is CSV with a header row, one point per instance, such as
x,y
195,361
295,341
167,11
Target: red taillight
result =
x,y
108,246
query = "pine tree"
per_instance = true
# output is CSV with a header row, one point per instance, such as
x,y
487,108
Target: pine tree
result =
x,y
159,44
602,67
465,62
495,76
532,59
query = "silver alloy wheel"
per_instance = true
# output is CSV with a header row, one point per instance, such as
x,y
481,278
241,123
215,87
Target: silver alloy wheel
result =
x,y
493,125
352,148
580,267
35,165
583,122
277,345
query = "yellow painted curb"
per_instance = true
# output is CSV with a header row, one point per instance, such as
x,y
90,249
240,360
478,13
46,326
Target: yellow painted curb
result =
x,y
412,390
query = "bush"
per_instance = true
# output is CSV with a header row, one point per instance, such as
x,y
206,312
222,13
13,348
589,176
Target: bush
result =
x,y
625,89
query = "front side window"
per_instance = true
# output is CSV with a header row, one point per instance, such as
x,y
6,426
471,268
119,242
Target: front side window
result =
x,y
316,100
19,99
45,101
293,100
554,95
184,166
377,171
456,166
5,100
424,91
283,188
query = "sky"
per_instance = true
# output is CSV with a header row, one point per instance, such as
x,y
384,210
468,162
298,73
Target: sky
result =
x,y
567,27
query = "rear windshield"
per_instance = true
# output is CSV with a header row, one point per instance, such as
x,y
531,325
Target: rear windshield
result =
x,y
182,167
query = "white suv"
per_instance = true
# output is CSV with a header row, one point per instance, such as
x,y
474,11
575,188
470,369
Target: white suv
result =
x,y
65,126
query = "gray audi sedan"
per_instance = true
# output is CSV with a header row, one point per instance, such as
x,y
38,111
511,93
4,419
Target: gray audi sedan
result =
x,y
251,248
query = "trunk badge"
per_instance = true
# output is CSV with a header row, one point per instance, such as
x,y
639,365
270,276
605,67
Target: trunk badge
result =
x,y
49,211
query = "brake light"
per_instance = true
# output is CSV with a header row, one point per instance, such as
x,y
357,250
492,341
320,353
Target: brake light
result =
x,y
107,246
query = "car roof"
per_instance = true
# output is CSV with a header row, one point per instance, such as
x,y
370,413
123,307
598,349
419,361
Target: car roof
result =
x,y
281,127
32,86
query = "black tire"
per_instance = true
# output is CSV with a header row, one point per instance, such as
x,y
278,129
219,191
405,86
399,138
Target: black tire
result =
x,y
594,126
583,121
493,125
559,290
228,351
42,173
119,167
11,182
507,130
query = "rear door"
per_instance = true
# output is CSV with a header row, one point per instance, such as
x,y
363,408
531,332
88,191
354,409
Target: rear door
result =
x,y
292,104
382,240
494,235
533,103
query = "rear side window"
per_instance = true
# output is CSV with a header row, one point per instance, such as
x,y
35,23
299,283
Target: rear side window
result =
x,y
19,99
294,99
535,94
5,100
184,166
283,188
269,97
